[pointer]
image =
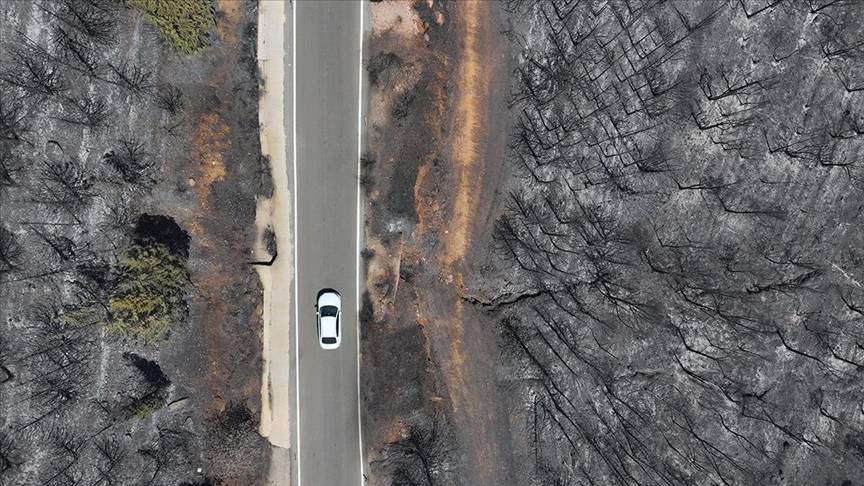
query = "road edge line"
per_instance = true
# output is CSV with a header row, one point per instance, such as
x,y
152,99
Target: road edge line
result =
x,y
296,240
359,229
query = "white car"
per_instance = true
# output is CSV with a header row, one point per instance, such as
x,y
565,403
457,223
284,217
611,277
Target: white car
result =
x,y
329,313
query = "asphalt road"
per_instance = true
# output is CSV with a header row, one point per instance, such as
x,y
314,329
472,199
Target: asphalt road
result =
x,y
327,69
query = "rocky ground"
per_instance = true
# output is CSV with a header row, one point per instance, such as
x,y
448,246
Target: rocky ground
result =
x,y
115,145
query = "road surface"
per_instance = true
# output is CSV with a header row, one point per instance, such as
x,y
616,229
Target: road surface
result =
x,y
327,44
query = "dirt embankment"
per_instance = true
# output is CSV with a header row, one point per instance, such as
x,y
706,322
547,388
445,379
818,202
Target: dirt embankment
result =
x,y
437,118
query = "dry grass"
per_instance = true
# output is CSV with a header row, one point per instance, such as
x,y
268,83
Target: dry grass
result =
x,y
210,143
229,18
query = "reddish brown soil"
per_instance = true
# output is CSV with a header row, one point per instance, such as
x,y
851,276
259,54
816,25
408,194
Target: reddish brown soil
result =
x,y
449,150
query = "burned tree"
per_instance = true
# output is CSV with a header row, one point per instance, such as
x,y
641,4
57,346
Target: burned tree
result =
x,y
76,52
34,72
67,447
134,79
10,456
132,162
170,99
13,117
112,455
67,185
54,363
10,251
422,454
90,112
11,166
95,20
169,450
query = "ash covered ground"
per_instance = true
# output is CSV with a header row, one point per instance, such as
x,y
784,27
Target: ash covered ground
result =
x,y
129,341
657,277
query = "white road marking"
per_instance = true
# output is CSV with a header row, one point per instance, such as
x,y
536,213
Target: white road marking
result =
x,y
296,240
359,228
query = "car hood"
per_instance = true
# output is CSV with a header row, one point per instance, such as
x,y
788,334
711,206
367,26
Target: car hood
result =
x,y
328,326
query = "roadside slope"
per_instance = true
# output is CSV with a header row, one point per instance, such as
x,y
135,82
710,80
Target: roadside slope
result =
x,y
439,73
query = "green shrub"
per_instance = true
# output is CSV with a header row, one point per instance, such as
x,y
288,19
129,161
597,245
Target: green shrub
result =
x,y
184,24
144,410
82,315
150,293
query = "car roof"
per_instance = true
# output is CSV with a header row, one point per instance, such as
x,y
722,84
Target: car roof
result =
x,y
328,327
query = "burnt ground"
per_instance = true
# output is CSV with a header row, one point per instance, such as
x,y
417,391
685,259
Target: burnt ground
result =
x,y
434,167
183,410
618,245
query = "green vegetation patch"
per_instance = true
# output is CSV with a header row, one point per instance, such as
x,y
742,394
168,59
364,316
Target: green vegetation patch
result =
x,y
185,24
150,293
144,410
82,314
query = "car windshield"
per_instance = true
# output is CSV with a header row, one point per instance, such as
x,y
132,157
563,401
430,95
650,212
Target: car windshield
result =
x,y
328,340
329,311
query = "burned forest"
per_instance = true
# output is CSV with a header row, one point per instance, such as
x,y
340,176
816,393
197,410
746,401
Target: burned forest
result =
x,y
659,279
685,223
104,257
598,242
659,276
